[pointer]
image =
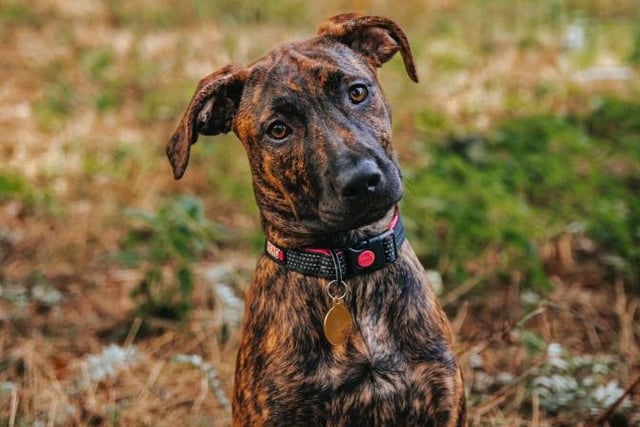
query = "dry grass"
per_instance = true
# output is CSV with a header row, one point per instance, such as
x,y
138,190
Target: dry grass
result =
x,y
90,92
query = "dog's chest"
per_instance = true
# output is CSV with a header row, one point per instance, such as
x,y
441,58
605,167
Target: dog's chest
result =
x,y
374,355
372,375
372,366
383,372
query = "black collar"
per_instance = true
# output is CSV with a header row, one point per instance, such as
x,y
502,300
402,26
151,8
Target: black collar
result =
x,y
365,256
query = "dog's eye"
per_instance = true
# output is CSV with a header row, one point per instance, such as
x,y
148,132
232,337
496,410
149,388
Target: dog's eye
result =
x,y
358,93
278,130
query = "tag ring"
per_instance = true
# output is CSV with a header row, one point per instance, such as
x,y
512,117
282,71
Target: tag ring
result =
x,y
341,297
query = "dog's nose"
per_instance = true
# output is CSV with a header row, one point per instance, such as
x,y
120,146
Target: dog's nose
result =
x,y
363,179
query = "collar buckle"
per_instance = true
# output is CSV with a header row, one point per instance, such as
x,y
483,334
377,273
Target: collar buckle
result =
x,y
372,254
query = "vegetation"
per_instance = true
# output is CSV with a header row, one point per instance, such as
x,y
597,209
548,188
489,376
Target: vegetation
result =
x,y
529,181
121,290
176,236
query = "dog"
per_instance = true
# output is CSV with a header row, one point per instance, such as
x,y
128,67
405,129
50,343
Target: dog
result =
x,y
341,327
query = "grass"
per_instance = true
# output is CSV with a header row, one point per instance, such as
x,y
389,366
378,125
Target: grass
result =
x,y
520,148
178,234
516,195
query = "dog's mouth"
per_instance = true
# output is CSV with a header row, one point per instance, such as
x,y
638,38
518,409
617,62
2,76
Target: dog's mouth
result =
x,y
343,216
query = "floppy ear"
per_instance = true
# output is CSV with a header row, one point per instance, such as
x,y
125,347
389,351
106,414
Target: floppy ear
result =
x,y
210,112
375,37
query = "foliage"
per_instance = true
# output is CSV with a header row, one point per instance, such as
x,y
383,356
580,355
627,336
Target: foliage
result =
x,y
12,186
31,198
13,12
209,372
485,203
566,387
165,245
57,104
34,289
165,14
107,364
576,385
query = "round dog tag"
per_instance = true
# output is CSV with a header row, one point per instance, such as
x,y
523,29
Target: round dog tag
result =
x,y
337,323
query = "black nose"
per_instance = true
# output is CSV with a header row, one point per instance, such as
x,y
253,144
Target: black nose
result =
x,y
363,179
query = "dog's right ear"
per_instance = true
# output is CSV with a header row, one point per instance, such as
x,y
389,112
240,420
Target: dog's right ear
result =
x,y
210,112
375,37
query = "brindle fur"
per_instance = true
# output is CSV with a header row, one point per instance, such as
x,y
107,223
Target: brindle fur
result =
x,y
398,367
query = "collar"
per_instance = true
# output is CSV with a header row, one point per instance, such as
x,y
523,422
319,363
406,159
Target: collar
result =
x,y
364,257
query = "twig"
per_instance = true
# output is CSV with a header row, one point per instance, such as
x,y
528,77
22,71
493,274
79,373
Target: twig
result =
x,y
52,414
14,406
604,417
133,332
151,379
502,394
505,389
535,410
485,407
460,290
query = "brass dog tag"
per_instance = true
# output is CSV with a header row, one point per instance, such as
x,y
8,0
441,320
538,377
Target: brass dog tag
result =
x,y
337,323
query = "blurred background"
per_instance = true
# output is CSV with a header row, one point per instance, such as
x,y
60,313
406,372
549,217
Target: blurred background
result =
x,y
121,290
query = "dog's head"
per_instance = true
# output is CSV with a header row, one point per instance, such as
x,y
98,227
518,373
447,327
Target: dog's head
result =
x,y
315,125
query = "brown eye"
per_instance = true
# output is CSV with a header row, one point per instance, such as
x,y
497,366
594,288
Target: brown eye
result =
x,y
358,93
278,131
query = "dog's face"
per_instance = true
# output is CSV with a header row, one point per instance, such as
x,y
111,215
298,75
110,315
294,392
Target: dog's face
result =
x,y
318,134
315,125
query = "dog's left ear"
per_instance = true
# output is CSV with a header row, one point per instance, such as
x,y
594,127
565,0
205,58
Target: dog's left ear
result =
x,y
375,37
210,112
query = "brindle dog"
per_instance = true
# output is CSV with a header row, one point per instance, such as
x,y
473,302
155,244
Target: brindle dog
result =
x,y
317,130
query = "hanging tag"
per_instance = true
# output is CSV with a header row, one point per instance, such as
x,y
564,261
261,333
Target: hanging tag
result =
x,y
338,322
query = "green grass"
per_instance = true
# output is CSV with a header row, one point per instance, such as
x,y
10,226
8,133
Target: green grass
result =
x,y
12,186
173,238
525,183
33,199
17,13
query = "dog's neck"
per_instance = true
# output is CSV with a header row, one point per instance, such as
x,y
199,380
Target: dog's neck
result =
x,y
295,235
371,253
